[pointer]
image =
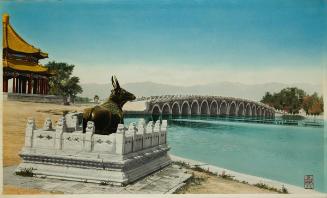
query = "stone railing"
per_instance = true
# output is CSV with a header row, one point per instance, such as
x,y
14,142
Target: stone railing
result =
x,y
67,135
169,98
35,98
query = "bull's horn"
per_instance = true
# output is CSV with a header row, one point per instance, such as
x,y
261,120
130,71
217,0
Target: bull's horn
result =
x,y
113,82
117,83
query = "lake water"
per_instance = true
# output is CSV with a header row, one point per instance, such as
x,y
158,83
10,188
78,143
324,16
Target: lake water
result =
x,y
278,152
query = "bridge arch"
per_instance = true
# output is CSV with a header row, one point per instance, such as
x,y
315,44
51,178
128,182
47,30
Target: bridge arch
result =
x,y
195,107
254,110
248,111
166,109
232,108
223,108
258,111
210,105
240,109
213,108
176,110
186,108
204,107
156,110
264,113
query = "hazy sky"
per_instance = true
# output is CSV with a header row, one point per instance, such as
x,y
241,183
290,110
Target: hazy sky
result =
x,y
179,42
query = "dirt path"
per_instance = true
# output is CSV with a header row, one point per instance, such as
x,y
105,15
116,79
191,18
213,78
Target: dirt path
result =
x,y
15,115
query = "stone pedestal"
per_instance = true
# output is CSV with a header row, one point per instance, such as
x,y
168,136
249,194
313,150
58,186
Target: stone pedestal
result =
x,y
65,152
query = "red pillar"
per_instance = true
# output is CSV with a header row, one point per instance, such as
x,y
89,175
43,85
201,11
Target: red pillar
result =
x,y
16,88
34,86
19,85
42,86
29,91
39,85
24,86
5,84
14,84
46,86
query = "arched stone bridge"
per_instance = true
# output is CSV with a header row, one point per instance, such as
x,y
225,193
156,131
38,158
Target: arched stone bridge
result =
x,y
207,105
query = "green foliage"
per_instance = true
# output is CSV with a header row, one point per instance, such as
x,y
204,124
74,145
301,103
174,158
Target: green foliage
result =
x,y
265,186
199,169
313,104
284,190
292,99
26,172
82,99
182,164
192,181
226,176
293,117
62,83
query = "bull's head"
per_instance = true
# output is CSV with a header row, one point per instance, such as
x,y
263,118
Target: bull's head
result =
x,y
118,94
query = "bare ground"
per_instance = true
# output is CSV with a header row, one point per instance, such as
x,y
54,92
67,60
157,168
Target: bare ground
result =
x,y
204,183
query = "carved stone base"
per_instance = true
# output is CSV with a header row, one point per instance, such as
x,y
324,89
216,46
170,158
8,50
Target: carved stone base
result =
x,y
95,168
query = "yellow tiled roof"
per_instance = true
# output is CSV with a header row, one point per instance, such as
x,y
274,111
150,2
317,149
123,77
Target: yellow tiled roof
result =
x,y
24,66
14,42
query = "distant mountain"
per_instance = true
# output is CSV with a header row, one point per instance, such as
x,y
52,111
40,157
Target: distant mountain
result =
x,y
253,92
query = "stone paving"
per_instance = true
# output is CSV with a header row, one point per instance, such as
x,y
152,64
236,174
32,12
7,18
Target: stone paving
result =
x,y
164,181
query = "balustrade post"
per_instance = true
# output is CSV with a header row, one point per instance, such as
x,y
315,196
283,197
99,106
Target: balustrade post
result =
x,y
90,129
29,132
60,129
120,139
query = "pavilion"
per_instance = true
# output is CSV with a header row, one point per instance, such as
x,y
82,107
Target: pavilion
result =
x,y
21,64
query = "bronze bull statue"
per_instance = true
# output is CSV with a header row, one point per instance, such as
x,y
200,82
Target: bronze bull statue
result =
x,y
109,114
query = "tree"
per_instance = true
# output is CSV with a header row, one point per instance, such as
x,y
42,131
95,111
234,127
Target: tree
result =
x,y
307,103
61,83
268,99
292,99
315,108
315,104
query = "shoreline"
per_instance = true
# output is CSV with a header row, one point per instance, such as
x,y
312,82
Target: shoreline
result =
x,y
252,180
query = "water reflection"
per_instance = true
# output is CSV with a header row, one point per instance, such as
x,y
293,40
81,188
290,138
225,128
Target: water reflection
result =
x,y
244,119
